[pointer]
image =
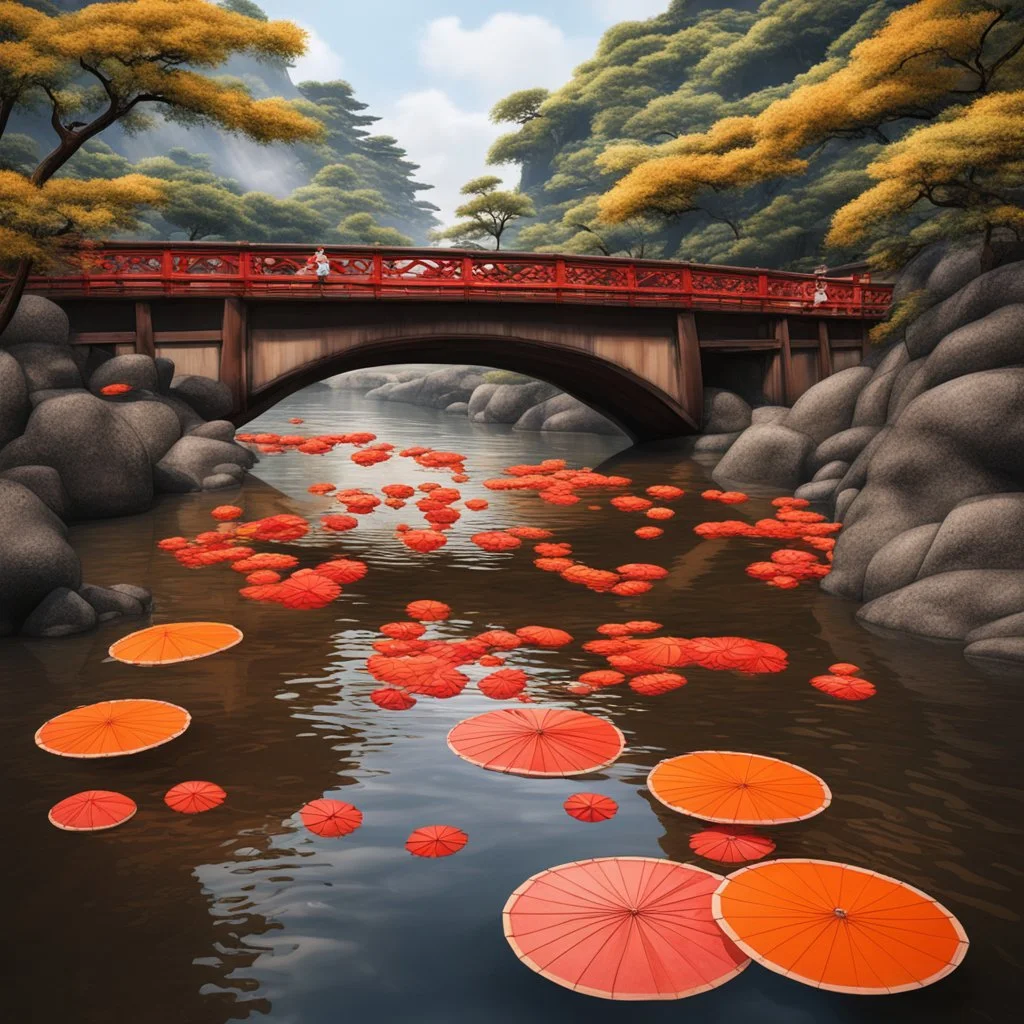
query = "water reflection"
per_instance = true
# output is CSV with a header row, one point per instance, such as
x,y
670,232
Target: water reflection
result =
x,y
241,912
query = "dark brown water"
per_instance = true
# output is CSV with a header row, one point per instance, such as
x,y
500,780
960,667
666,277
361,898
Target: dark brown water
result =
x,y
241,913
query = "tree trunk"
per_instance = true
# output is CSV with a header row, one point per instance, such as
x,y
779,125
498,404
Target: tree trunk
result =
x,y
15,289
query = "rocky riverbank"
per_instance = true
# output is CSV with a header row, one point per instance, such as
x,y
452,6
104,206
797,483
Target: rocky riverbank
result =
x,y
70,452
920,454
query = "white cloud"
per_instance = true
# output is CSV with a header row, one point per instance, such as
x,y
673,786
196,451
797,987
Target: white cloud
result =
x,y
507,52
450,144
319,63
630,10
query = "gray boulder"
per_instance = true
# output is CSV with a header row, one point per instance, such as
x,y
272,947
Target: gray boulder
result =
x,y
109,604
156,425
361,380
986,533
14,406
844,499
711,444
164,374
999,648
219,430
985,294
47,366
1008,625
34,553
832,471
856,476
533,419
230,469
102,463
905,379
724,412
141,594
986,344
44,482
137,370
36,320
210,398
191,460
827,408
769,414
872,408
508,402
914,276
898,563
957,266
950,605
580,419
218,481
38,397
766,453
817,490
188,418
458,409
844,446
61,613
95,358
437,390
477,401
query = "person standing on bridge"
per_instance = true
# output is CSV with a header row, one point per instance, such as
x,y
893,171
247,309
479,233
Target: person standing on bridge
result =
x,y
820,294
323,265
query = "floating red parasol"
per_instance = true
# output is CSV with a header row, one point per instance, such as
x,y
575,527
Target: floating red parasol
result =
x,y
503,684
436,841
194,797
331,818
342,570
590,807
549,742
657,683
92,811
622,928
403,630
544,636
392,700
427,611
843,668
844,687
731,844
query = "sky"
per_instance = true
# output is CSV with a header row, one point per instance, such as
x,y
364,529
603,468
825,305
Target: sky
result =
x,y
432,71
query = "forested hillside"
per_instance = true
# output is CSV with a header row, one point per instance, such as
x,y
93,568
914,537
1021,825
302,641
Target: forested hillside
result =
x,y
355,187
677,74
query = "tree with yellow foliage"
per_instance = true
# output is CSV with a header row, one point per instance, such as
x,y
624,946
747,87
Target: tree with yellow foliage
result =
x,y
951,63
103,65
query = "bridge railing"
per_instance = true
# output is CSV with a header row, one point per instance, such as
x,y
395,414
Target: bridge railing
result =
x,y
153,269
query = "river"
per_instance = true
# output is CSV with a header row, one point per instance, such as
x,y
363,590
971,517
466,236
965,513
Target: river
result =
x,y
241,913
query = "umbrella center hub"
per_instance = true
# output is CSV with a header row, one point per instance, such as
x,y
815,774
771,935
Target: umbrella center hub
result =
x,y
634,911
840,913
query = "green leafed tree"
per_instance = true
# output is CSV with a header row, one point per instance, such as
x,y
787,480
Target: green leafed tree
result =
x,y
487,212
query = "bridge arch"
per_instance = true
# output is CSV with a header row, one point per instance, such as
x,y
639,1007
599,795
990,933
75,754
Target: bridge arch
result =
x,y
643,411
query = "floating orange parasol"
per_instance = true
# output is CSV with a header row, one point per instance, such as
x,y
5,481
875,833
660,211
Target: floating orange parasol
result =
x,y
176,641
194,797
112,727
843,668
331,818
738,788
839,927
436,841
590,807
731,844
91,811
550,742
622,928
657,683
844,687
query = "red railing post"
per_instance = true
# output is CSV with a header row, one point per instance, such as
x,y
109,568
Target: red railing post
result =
x,y
467,275
377,277
245,267
166,270
687,284
560,277
858,294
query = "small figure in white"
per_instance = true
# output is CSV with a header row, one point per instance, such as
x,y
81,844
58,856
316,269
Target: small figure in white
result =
x,y
820,294
323,265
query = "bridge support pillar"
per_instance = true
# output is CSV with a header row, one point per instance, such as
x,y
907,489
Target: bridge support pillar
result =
x,y
234,351
144,342
691,374
786,361
824,351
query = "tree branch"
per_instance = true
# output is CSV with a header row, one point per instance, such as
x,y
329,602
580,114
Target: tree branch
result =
x,y
55,122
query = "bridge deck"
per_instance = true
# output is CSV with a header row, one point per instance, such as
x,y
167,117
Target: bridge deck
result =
x,y
220,270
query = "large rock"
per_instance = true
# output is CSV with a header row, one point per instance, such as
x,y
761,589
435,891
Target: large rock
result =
x,y
230,469
999,648
14,407
827,408
898,563
436,390
508,402
219,481
164,374
1008,625
458,409
102,463
817,490
580,419
210,398
192,459
109,604
904,387
477,401
872,406
219,430
36,320
959,440
141,594
138,370
844,499
766,453
914,276
832,471
769,414
711,444
724,412
844,446
47,366
155,424
45,483
985,533
38,397
361,380
950,605
986,344
35,557
61,613
856,476
985,294
188,418
533,419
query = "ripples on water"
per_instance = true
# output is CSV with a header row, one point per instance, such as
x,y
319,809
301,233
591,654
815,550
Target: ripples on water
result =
x,y
241,912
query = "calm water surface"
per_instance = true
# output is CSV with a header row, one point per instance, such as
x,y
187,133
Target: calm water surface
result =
x,y
242,914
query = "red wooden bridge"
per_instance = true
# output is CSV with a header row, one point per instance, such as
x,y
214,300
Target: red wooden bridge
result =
x,y
615,332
